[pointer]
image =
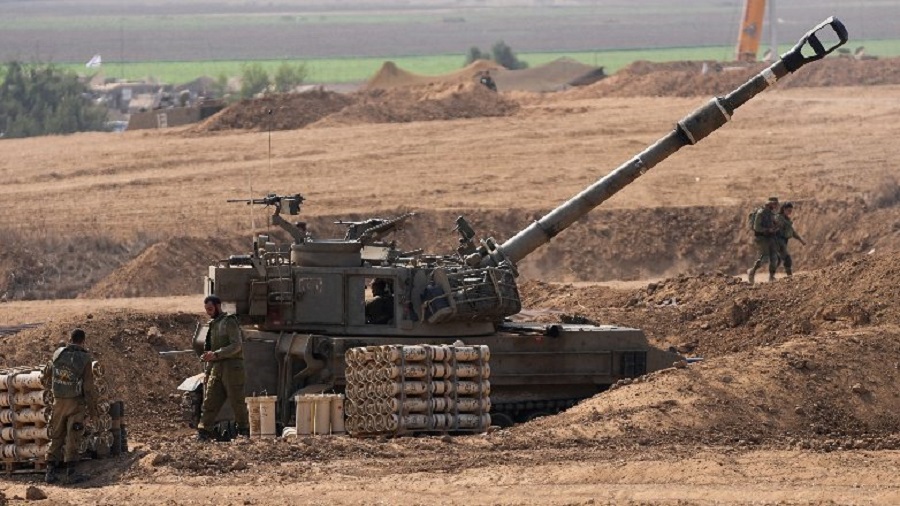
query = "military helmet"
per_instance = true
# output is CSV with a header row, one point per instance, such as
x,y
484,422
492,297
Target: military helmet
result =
x,y
787,205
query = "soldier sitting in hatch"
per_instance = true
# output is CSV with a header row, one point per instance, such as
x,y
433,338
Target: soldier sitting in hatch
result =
x,y
380,308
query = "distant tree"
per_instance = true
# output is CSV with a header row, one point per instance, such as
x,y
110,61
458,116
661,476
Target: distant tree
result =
x,y
288,77
40,99
476,54
254,80
220,86
503,54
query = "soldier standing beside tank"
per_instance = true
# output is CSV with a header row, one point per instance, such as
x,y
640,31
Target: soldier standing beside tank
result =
x,y
764,229
225,371
74,393
784,233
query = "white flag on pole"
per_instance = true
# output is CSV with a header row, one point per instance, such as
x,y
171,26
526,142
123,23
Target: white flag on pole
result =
x,y
94,62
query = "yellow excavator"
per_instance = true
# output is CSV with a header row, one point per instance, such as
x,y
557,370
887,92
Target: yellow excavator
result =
x,y
751,30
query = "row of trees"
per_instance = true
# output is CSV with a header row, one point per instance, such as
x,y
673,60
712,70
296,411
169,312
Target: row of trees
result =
x,y
255,79
41,99
500,53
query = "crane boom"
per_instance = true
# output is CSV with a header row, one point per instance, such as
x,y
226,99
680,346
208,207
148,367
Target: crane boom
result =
x,y
751,30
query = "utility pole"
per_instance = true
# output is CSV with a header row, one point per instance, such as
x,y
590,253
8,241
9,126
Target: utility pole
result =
x,y
773,30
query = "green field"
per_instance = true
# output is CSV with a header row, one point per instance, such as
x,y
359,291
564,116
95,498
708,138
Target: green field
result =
x,y
520,14
355,70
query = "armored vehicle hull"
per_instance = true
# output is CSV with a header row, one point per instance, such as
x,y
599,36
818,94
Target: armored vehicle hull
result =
x,y
536,369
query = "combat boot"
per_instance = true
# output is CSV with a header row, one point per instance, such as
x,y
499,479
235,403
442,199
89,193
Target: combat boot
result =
x,y
51,476
771,277
73,476
751,274
243,432
204,436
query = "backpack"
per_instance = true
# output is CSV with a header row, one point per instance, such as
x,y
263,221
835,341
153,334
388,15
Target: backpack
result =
x,y
751,218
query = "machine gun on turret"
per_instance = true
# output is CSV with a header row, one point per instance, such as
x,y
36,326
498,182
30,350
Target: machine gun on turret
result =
x,y
373,229
290,202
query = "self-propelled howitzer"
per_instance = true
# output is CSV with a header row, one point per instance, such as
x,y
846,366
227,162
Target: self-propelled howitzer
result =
x,y
303,304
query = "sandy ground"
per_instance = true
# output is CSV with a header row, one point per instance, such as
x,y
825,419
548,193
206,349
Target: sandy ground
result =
x,y
668,477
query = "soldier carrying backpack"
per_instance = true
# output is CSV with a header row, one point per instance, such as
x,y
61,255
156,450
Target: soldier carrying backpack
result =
x,y
74,396
786,232
762,223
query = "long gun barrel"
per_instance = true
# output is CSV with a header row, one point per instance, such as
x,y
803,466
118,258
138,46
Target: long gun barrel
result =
x,y
690,130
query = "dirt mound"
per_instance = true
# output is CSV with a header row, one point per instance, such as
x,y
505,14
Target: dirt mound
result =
x,y
395,95
699,78
812,392
712,315
172,267
285,111
455,99
551,76
786,363
126,343
391,76
424,103
35,265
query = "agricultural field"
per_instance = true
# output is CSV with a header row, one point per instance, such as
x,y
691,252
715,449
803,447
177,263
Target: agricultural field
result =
x,y
347,43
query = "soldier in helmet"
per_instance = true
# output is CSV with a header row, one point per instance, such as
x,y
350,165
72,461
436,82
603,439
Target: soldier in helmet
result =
x,y
74,394
764,228
225,371
784,233
380,308
488,81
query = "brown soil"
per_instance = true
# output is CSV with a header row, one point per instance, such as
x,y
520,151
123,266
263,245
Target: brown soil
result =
x,y
394,95
167,268
688,79
794,402
278,112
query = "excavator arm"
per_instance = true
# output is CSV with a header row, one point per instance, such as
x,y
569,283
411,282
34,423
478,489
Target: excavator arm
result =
x,y
751,30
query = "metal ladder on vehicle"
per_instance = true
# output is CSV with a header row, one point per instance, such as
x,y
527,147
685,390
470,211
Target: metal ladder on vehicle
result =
x,y
279,281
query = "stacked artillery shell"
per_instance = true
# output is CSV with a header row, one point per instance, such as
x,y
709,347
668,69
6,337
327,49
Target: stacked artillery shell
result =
x,y
423,388
24,413
99,437
26,405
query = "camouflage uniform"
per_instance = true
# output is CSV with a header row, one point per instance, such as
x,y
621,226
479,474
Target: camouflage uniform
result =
x,y
488,82
74,393
225,374
764,229
380,308
784,233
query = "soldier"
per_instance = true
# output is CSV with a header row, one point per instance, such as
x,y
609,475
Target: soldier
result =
x,y
784,233
224,372
74,392
380,308
764,228
488,81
